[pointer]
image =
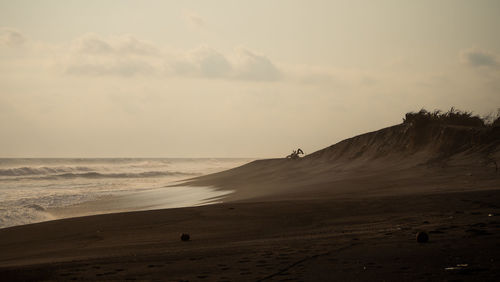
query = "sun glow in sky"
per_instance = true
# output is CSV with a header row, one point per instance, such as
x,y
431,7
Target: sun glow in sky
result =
x,y
233,78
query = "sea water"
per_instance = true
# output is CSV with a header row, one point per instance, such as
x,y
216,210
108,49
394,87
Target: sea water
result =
x,y
35,190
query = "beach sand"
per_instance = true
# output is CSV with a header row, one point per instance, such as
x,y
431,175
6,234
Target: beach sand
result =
x,y
312,219
347,239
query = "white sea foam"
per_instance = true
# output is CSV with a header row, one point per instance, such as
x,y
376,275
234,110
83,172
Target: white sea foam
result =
x,y
30,189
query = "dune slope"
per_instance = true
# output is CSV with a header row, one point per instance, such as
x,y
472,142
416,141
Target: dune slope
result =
x,y
405,158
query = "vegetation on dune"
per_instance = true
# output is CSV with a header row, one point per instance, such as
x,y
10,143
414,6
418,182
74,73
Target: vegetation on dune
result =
x,y
495,120
451,117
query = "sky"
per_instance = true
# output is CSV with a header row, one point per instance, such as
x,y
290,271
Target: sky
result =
x,y
234,78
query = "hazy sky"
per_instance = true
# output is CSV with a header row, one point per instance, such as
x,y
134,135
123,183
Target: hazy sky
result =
x,y
233,78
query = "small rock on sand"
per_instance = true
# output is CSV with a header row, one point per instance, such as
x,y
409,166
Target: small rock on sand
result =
x,y
185,237
422,237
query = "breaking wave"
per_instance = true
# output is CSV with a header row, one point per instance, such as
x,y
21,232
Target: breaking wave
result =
x,y
99,175
122,175
30,189
26,171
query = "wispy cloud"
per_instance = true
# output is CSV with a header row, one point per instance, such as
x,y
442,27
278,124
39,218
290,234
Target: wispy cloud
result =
x,y
11,37
94,44
126,55
194,20
253,66
479,58
200,62
241,64
93,54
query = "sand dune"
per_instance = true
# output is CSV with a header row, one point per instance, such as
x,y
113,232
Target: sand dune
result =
x,y
348,212
398,159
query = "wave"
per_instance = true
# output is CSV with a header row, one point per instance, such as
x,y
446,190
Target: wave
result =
x,y
26,171
78,172
35,207
121,175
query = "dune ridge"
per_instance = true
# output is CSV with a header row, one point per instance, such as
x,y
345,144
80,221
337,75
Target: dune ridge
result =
x,y
404,140
416,153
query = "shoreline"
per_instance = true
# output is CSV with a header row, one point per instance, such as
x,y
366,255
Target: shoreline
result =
x,y
30,187
151,199
130,201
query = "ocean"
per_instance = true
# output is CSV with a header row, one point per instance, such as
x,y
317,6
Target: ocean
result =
x,y
35,190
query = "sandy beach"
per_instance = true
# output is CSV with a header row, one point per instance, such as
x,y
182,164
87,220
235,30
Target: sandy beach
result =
x,y
312,240
335,215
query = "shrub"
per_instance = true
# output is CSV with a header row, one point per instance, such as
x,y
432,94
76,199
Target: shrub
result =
x,y
451,117
493,120
496,122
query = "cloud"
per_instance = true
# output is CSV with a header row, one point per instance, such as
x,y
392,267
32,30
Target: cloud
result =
x,y
130,45
92,54
95,55
201,62
127,56
194,20
11,37
94,44
206,62
253,66
479,58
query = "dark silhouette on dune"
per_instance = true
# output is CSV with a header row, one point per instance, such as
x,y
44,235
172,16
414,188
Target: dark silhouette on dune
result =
x,y
295,154
451,117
